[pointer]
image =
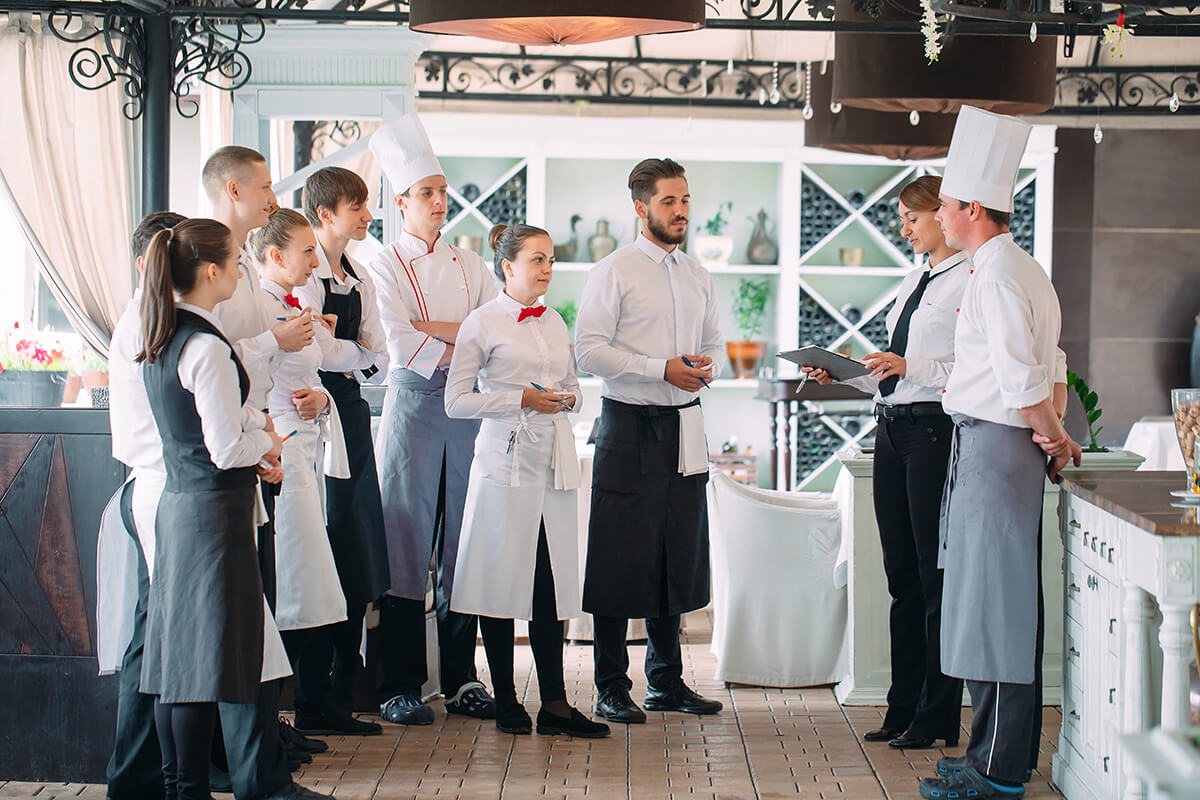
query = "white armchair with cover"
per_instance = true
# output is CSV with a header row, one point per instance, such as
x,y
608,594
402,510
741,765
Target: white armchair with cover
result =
x,y
779,599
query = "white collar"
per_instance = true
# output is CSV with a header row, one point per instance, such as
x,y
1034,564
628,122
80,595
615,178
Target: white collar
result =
x,y
274,289
652,250
510,305
325,271
997,243
949,262
204,314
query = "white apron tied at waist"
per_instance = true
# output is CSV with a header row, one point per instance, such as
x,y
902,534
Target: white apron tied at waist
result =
x,y
693,446
116,585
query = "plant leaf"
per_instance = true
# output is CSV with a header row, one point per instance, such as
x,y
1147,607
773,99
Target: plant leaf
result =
x,y
1094,415
1090,402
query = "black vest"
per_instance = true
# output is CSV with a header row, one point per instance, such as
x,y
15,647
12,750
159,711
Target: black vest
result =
x,y
349,310
189,465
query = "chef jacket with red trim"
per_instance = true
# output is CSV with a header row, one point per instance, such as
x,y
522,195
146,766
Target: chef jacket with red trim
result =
x,y
418,281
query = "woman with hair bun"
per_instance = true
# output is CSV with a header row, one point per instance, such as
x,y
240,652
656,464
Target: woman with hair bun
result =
x,y
518,556
912,451
204,639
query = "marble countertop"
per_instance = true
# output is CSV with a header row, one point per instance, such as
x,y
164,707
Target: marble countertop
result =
x,y
1140,498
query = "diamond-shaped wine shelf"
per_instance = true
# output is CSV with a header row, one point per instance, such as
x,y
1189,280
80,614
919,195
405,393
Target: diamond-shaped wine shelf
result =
x,y
819,214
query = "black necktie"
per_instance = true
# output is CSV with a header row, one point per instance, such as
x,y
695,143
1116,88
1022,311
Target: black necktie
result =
x,y
900,335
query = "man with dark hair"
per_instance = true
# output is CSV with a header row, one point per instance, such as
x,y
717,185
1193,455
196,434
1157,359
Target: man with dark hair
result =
x,y
334,189
135,769
648,326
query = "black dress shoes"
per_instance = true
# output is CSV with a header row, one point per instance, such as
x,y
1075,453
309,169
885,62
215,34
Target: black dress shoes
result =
x,y
294,791
575,725
678,697
513,718
615,705
334,722
298,742
883,734
912,741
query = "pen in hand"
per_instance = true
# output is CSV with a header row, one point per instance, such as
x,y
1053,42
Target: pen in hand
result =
x,y
267,464
687,361
542,389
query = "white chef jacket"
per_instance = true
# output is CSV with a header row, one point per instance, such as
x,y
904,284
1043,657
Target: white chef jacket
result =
x,y
435,282
642,306
370,330
291,372
1006,342
234,433
507,357
244,321
135,439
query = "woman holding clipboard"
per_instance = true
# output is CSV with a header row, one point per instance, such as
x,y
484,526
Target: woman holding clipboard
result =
x,y
912,450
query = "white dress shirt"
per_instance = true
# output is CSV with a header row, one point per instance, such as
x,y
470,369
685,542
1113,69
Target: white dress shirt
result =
x,y
1006,343
244,320
642,306
507,357
417,281
233,433
929,355
135,440
291,372
370,330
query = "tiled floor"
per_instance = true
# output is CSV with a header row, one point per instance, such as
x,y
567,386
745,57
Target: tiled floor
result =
x,y
769,743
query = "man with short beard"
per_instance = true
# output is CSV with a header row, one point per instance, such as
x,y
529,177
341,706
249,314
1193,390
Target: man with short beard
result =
x,y
648,326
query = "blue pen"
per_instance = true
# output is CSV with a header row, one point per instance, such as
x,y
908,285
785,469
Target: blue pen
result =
x,y
688,362
541,389
282,319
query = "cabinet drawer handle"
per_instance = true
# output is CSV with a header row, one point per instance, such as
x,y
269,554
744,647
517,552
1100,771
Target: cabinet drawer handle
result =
x,y
1073,714
1102,548
1111,694
1111,550
1092,583
1112,625
1093,544
1106,763
1072,588
1085,538
1073,524
1073,652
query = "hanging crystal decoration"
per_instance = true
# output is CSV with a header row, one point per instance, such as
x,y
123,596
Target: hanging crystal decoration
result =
x,y
835,107
729,67
1174,102
762,96
914,118
1097,134
807,112
774,96
1033,32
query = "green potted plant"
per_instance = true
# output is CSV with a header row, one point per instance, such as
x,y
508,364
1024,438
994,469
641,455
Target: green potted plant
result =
x,y
1096,455
713,248
749,311
1091,409
33,371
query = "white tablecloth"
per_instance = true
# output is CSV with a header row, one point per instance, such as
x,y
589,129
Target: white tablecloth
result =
x,y
1154,439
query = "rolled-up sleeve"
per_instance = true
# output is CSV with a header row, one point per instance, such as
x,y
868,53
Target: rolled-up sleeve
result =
x,y
1012,347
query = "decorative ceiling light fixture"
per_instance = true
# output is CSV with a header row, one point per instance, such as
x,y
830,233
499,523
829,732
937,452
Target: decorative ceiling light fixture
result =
x,y
546,22
891,72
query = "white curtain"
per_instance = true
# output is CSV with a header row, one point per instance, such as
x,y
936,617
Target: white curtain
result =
x,y
66,168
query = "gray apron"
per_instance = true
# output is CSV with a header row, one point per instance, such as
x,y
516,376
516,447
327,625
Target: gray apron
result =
x,y
991,509
415,439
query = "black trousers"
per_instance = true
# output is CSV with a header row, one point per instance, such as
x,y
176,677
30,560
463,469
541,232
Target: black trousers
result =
x,y
545,638
317,655
1006,726
254,753
135,769
402,632
185,734
610,654
911,457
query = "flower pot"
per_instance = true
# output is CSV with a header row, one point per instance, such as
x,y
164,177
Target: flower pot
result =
x,y
95,377
713,251
71,392
746,357
28,388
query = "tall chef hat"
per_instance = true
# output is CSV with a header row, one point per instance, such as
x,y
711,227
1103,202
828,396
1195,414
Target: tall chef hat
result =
x,y
985,154
404,152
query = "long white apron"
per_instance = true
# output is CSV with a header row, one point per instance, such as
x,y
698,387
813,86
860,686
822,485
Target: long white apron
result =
x,y
307,590
116,586
510,492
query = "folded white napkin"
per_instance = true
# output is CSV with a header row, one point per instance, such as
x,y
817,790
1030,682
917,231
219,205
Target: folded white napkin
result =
x,y
337,462
564,460
693,447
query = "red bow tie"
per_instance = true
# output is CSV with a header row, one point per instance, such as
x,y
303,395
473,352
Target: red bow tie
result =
x,y
535,311
291,300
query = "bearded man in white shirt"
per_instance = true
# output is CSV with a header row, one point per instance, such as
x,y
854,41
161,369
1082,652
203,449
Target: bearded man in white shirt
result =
x,y
648,326
1005,399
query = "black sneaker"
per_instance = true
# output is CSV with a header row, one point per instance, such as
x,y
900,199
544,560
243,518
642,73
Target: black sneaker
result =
x,y
472,700
334,722
678,697
297,741
615,705
575,725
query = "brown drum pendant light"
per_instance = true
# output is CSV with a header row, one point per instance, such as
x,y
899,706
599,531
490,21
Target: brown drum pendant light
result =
x,y
546,22
889,134
889,72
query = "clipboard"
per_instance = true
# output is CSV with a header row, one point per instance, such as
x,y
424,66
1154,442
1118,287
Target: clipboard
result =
x,y
839,367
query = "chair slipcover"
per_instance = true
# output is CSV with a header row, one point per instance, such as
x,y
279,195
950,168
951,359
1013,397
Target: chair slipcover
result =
x,y
779,611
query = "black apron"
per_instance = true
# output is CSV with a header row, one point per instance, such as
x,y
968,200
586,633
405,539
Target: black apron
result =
x,y
648,531
204,629
353,511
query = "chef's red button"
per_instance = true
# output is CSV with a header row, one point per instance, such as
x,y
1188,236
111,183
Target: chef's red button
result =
x,y
943,391
956,310
453,258
972,272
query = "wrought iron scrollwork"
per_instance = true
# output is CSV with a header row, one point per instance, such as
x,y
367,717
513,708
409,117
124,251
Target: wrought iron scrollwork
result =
x,y
1133,91
208,50
112,50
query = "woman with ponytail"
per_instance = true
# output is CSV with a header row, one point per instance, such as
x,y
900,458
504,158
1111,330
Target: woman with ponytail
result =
x,y
519,552
205,627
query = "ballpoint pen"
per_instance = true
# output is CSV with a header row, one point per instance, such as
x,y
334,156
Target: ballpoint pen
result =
x,y
803,380
689,363
267,464
541,389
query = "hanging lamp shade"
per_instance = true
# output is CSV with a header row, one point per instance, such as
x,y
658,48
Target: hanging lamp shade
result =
x,y
546,22
890,134
889,72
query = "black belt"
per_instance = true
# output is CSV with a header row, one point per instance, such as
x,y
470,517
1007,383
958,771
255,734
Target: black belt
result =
x,y
909,411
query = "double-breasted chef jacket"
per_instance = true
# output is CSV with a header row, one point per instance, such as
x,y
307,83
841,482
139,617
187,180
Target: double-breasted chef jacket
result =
x,y
308,591
416,280
1007,358
649,523
525,470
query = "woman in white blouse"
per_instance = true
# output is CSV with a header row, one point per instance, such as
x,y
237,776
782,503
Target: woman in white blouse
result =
x,y
204,635
912,449
308,593
518,555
